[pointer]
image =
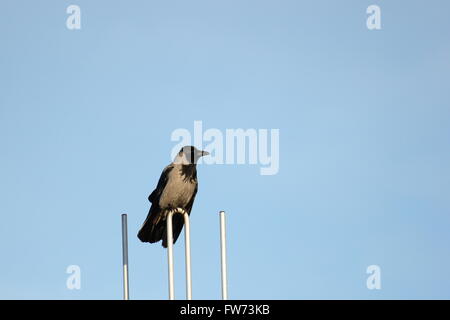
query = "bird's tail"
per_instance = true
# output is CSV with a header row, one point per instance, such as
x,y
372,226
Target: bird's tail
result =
x,y
177,226
154,227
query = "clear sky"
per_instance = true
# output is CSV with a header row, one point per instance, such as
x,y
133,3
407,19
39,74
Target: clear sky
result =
x,y
364,117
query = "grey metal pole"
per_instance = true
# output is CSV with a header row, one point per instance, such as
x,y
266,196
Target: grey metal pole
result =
x,y
187,246
170,253
223,255
125,257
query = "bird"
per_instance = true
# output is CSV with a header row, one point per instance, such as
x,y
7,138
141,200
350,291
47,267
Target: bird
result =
x,y
176,189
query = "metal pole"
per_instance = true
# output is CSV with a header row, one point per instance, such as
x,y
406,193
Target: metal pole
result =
x,y
170,253
223,255
187,245
125,257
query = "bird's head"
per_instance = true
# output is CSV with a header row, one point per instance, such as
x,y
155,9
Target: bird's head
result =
x,y
189,155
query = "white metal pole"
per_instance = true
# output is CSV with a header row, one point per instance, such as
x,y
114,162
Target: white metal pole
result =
x,y
170,253
125,257
187,245
223,255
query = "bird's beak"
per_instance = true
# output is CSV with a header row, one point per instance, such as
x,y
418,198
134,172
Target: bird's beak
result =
x,y
204,153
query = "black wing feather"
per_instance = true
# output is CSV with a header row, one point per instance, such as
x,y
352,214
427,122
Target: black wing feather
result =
x,y
152,229
156,194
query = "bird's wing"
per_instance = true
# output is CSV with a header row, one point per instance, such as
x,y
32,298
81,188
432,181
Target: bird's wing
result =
x,y
161,184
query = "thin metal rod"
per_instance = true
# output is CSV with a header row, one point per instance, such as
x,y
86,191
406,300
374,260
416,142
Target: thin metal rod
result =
x,y
126,291
187,240
187,246
223,255
169,233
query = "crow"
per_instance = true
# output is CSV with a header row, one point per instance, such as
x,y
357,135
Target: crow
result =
x,y
176,188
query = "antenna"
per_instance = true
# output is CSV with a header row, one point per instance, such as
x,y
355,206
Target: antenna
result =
x,y
223,255
187,246
125,257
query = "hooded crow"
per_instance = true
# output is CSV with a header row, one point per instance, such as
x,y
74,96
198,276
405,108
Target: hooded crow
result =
x,y
176,188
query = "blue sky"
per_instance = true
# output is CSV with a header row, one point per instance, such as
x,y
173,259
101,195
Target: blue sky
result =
x,y
364,118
